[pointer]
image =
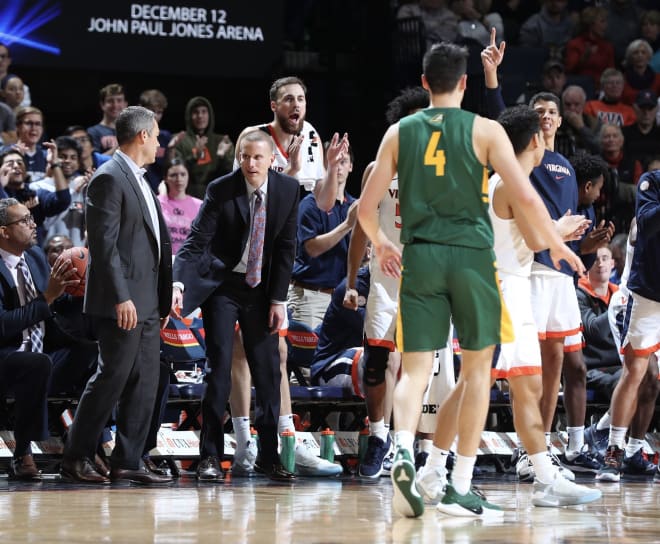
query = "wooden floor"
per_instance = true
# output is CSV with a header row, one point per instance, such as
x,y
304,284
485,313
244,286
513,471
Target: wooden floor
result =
x,y
310,511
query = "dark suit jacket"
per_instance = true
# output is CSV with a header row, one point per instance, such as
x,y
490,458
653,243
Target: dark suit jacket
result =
x,y
123,250
14,318
219,234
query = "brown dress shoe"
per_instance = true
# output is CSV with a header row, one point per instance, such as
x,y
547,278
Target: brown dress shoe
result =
x,y
209,470
140,475
24,468
82,470
101,466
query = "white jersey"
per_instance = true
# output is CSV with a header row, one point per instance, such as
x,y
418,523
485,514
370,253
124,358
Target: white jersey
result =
x,y
311,169
512,254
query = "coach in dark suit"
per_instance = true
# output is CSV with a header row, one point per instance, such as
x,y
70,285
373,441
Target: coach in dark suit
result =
x,y
128,293
28,289
236,264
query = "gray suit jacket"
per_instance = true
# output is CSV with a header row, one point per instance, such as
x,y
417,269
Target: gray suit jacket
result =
x,y
123,248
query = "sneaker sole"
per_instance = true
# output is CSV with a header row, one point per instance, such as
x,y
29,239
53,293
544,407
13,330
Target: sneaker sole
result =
x,y
554,501
608,477
302,470
406,500
457,510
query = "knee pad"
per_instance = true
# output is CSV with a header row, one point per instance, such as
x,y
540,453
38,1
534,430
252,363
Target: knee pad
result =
x,y
375,364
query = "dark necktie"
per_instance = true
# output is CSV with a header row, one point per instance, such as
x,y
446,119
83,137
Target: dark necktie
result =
x,y
255,254
35,343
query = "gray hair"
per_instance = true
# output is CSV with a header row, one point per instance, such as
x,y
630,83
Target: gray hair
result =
x,y
632,47
257,135
5,204
133,120
574,88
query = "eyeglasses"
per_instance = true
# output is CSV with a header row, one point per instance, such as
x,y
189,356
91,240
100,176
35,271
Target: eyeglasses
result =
x,y
82,139
17,162
27,220
32,123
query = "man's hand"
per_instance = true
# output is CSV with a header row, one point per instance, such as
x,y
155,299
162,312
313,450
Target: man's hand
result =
x,y
295,154
562,252
177,302
51,153
5,170
164,321
276,317
491,58
337,149
599,237
62,275
389,258
574,119
224,146
572,227
351,216
350,299
126,315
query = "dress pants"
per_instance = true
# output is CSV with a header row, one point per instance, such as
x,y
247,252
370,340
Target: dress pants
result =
x,y
235,301
126,376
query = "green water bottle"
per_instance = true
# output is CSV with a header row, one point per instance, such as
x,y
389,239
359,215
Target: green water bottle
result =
x,y
363,443
254,435
328,445
288,450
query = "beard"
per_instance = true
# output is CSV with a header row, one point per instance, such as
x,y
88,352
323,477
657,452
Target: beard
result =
x,y
288,125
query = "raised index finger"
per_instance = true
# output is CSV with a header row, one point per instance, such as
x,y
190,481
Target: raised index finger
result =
x,y
493,33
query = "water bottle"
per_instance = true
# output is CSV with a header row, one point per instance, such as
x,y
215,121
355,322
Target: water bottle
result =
x,y
363,443
254,435
328,445
288,450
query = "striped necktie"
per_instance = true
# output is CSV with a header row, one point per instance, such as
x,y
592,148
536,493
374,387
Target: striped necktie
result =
x,y
36,341
255,253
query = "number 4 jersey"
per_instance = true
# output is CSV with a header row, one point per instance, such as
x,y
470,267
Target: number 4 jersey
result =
x,y
443,188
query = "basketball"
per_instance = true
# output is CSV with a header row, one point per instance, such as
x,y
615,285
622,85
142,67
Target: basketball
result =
x,y
78,257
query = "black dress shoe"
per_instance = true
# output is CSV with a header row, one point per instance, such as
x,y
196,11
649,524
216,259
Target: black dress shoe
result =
x,y
153,467
24,468
141,475
82,470
209,470
275,472
101,465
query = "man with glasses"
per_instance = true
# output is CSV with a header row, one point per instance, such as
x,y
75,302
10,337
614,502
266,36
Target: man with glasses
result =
x,y
42,203
28,291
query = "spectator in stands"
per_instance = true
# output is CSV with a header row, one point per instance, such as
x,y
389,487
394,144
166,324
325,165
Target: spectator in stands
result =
x,y
650,30
90,160
642,139
514,13
618,250
476,22
322,250
179,209
5,62
29,132
594,292
70,222
590,53
624,16
610,109
639,75
12,92
54,247
7,125
104,136
553,80
42,203
440,22
156,101
206,154
551,27
574,133
625,171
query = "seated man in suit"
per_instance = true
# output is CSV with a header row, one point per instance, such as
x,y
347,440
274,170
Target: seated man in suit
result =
x,y
28,289
236,264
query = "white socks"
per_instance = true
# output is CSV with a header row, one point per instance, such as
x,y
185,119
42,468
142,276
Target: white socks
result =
x,y
285,423
378,429
242,430
461,476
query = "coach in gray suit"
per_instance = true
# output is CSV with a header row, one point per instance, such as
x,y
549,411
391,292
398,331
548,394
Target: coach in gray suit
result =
x,y
128,294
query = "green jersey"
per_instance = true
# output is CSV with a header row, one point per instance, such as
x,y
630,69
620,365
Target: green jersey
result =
x,y
443,188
